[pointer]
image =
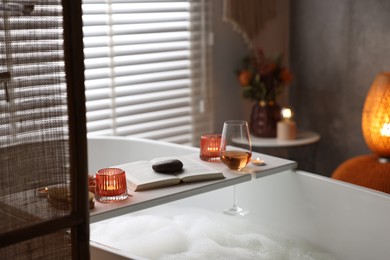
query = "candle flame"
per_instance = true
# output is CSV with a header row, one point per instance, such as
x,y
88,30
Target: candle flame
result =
x,y
286,113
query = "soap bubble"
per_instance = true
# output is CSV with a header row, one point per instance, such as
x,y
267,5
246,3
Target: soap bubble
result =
x,y
168,233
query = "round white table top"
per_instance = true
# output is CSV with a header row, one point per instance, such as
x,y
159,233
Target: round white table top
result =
x,y
303,138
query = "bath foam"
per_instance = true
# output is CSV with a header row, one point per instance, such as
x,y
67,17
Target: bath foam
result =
x,y
168,233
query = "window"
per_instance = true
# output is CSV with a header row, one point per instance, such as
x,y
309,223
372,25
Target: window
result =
x,y
146,68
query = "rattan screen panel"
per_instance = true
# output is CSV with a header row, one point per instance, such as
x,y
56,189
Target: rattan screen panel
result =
x,y
52,246
34,131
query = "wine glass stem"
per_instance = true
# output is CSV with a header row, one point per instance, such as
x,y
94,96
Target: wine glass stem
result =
x,y
234,197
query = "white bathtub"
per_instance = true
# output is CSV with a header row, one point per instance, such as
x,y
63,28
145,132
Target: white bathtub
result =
x,y
348,221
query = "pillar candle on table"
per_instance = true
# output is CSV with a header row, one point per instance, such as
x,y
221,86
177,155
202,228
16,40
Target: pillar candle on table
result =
x,y
286,128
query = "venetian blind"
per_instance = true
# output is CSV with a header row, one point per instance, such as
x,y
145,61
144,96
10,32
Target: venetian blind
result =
x,y
146,68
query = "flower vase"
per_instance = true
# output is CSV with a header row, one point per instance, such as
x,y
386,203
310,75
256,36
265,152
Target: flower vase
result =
x,y
264,118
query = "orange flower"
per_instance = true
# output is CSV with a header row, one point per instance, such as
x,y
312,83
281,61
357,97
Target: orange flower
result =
x,y
286,76
263,78
244,78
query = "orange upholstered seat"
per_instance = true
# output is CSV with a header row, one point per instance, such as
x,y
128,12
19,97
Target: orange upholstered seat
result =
x,y
365,171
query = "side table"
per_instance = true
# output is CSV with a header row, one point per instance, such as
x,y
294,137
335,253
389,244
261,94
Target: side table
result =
x,y
302,149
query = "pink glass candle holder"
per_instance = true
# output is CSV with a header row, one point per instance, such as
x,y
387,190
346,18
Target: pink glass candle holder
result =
x,y
209,147
110,185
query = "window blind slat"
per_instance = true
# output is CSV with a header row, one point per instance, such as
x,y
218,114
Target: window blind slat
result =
x,y
179,138
153,87
142,78
154,126
154,106
104,126
151,38
149,97
139,29
131,1
138,59
101,93
135,18
166,133
95,50
97,105
152,116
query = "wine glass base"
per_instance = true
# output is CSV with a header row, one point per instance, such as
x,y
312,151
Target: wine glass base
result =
x,y
236,211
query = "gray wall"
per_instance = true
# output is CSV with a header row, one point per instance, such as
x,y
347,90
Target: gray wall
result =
x,y
337,48
228,50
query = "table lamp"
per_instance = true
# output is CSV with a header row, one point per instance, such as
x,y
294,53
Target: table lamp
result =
x,y
376,117
372,171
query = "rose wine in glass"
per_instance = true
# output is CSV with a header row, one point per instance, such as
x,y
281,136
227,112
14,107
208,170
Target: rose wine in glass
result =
x,y
235,159
235,153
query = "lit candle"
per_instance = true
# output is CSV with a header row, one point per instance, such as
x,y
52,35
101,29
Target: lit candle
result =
x,y
42,192
385,131
110,185
209,147
286,128
258,162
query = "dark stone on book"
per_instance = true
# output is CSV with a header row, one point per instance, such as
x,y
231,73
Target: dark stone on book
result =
x,y
168,166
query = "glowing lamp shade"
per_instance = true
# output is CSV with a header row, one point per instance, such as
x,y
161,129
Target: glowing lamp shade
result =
x,y
376,116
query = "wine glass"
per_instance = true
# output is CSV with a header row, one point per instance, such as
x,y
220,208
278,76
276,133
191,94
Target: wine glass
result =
x,y
235,153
